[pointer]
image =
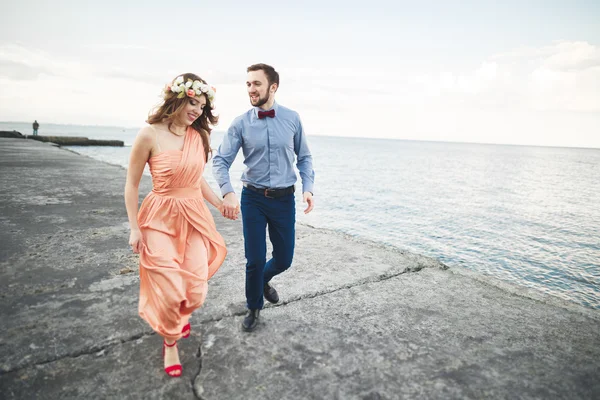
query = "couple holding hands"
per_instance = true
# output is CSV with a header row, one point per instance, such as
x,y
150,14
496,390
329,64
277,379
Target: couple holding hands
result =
x,y
173,230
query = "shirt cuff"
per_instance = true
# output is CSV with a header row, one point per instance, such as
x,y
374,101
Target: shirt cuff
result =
x,y
307,187
226,188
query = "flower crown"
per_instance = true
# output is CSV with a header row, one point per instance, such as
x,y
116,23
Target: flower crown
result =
x,y
190,88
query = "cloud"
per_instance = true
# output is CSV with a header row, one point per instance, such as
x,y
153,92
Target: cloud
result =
x,y
567,79
18,63
129,75
545,95
561,55
519,92
123,47
31,61
21,71
564,76
561,77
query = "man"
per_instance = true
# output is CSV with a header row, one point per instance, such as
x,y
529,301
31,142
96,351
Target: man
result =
x,y
35,127
270,136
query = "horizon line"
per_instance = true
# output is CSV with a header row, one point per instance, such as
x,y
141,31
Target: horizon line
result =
x,y
347,137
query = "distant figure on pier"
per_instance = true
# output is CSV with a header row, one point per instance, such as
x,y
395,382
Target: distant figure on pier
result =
x,y
35,127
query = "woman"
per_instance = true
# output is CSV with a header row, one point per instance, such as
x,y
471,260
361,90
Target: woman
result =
x,y
174,232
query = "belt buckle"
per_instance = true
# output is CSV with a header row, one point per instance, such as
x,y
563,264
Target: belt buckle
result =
x,y
267,194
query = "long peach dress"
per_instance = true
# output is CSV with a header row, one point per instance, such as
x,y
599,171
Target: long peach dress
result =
x,y
182,248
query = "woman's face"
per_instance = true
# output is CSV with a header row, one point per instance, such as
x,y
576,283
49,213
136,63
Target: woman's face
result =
x,y
192,110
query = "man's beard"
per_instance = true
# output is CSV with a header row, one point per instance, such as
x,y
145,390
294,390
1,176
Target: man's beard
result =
x,y
261,100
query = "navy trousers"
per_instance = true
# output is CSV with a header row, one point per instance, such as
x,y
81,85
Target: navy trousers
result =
x,y
279,215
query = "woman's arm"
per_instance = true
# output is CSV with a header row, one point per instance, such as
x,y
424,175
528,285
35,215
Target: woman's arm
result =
x,y
140,152
211,196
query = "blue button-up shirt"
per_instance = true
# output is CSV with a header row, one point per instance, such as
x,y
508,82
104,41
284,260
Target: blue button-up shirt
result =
x,y
269,146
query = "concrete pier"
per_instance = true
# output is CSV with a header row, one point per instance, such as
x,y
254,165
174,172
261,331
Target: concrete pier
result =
x,y
358,320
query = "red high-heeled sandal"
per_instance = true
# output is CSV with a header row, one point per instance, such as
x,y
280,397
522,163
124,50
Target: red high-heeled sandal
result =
x,y
187,328
172,368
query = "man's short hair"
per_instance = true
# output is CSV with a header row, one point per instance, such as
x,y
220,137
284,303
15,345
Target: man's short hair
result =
x,y
272,75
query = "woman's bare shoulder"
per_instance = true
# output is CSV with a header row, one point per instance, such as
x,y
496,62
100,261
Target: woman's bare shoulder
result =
x,y
146,135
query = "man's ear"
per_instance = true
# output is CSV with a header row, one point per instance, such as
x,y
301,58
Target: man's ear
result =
x,y
274,87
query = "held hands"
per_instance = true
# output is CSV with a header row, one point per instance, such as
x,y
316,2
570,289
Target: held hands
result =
x,y
135,240
230,208
308,198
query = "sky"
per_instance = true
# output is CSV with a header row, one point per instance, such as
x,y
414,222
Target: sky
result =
x,y
472,71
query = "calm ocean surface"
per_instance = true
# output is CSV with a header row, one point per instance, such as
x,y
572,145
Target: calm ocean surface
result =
x,y
527,215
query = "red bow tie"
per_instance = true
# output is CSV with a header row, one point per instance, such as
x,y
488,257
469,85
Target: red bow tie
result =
x,y
265,114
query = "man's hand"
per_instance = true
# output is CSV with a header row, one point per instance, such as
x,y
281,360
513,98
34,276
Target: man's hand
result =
x,y
231,206
308,198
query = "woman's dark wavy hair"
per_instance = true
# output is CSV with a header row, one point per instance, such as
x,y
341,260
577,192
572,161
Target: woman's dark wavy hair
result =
x,y
172,106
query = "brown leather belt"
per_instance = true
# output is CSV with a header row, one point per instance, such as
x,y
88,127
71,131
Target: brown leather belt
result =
x,y
272,193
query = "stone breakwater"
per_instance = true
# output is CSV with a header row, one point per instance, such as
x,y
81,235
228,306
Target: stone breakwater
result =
x,y
358,320
63,140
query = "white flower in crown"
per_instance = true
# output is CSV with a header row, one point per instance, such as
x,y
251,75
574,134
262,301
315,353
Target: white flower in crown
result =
x,y
191,88
211,94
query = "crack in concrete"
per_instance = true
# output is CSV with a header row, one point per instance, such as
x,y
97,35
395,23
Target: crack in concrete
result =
x,y
96,349
199,357
373,279
83,352
365,281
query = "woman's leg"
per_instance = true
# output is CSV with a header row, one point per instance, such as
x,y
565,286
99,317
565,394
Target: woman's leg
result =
x,y
162,288
195,267
171,357
162,292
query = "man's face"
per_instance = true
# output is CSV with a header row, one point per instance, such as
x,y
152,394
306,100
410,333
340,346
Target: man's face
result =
x,y
258,88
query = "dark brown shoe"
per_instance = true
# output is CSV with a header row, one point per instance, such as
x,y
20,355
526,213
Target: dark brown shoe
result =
x,y
251,320
270,294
